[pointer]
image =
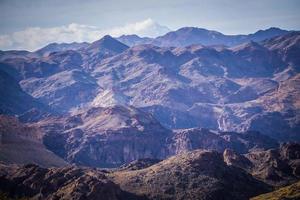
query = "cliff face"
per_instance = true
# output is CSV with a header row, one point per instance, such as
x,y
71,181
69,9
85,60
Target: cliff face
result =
x,y
116,135
106,137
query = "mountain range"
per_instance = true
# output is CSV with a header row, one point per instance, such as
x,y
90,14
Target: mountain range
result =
x,y
191,114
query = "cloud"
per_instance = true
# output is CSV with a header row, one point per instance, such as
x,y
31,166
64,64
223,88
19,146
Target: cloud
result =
x,y
34,38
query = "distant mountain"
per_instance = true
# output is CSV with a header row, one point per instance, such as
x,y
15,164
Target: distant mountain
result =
x,y
133,40
57,47
192,35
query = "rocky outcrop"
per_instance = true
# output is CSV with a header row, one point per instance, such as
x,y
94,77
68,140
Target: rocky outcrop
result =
x,y
234,159
139,164
278,167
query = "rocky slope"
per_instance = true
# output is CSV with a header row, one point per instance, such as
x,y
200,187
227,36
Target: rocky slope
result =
x,y
64,90
116,135
193,175
291,192
21,144
278,167
34,182
105,137
13,100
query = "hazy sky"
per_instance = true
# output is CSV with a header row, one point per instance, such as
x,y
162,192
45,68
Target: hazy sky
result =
x,y
33,17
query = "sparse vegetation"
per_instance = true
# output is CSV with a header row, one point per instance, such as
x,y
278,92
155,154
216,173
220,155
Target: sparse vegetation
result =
x,y
291,192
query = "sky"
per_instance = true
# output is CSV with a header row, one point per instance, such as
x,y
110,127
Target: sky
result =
x,y
31,24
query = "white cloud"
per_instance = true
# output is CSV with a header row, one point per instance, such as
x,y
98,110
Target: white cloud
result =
x,y
35,37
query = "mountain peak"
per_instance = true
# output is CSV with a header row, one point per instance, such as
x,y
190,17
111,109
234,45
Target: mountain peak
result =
x,y
107,37
108,44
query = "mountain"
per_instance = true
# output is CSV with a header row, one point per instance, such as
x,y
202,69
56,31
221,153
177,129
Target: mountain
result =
x,y
22,144
97,51
187,36
133,40
229,89
192,35
240,88
174,119
57,47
